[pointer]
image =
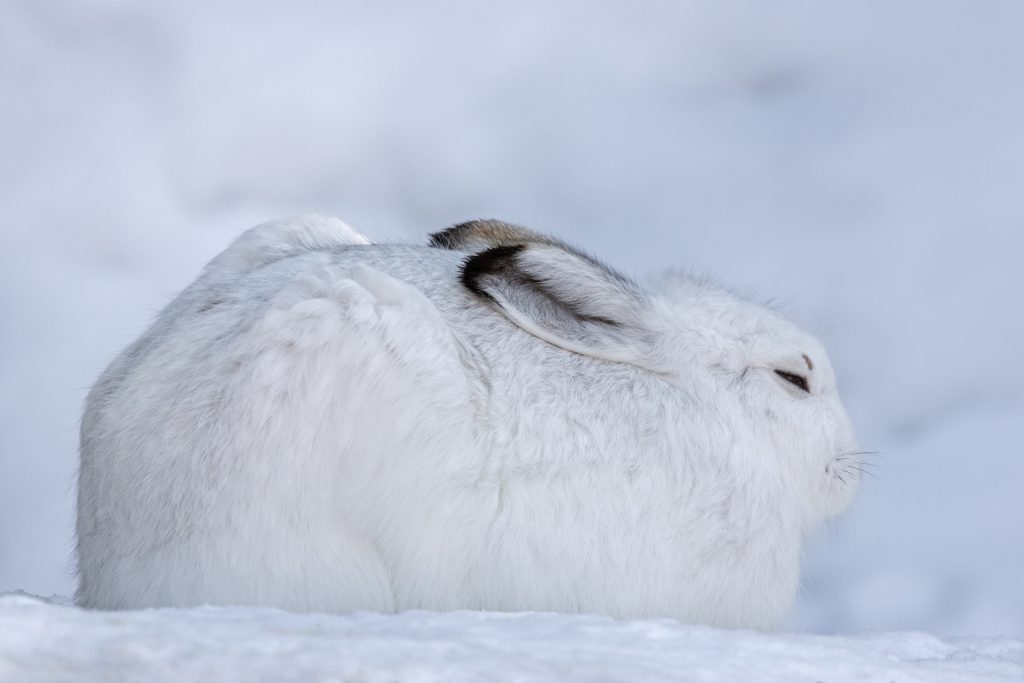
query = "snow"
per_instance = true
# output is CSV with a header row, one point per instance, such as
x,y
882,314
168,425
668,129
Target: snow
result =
x,y
859,163
50,642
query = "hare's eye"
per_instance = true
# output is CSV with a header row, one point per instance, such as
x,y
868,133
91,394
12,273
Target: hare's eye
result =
x,y
796,380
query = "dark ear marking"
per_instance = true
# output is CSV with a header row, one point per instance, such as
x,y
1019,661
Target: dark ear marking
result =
x,y
495,261
501,263
479,235
485,233
563,297
447,238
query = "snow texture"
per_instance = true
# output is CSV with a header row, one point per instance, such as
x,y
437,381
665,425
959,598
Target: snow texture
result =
x,y
860,162
50,642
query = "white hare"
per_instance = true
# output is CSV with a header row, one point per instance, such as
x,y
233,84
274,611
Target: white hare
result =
x,y
495,421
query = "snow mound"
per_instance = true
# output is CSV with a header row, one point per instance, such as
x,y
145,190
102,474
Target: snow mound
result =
x,y
51,641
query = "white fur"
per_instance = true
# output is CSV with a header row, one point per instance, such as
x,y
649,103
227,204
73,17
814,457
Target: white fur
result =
x,y
322,424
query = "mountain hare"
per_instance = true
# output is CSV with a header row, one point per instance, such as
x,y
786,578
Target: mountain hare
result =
x,y
495,421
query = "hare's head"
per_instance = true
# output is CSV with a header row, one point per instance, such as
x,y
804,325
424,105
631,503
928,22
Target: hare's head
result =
x,y
778,376
772,378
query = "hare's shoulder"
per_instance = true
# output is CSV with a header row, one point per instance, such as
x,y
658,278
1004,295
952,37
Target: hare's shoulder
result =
x,y
340,318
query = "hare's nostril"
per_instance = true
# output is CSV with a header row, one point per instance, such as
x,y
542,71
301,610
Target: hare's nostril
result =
x,y
807,359
796,380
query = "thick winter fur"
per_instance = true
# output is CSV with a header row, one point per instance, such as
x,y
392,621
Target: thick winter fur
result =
x,y
318,423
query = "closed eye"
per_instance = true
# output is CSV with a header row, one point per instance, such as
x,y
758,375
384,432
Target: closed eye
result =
x,y
796,380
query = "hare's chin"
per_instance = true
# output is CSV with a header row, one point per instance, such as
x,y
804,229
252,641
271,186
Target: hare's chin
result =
x,y
843,472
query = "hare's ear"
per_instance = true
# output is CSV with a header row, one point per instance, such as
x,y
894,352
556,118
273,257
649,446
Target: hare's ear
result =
x,y
565,298
481,234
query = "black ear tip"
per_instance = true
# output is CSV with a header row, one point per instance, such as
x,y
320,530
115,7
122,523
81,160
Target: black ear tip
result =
x,y
484,232
444,239
493,261
451,238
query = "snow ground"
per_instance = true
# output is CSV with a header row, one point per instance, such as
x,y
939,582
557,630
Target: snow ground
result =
x,y
46,642
860,162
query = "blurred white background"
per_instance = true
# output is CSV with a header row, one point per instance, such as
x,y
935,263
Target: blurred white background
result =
x,y
860,163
